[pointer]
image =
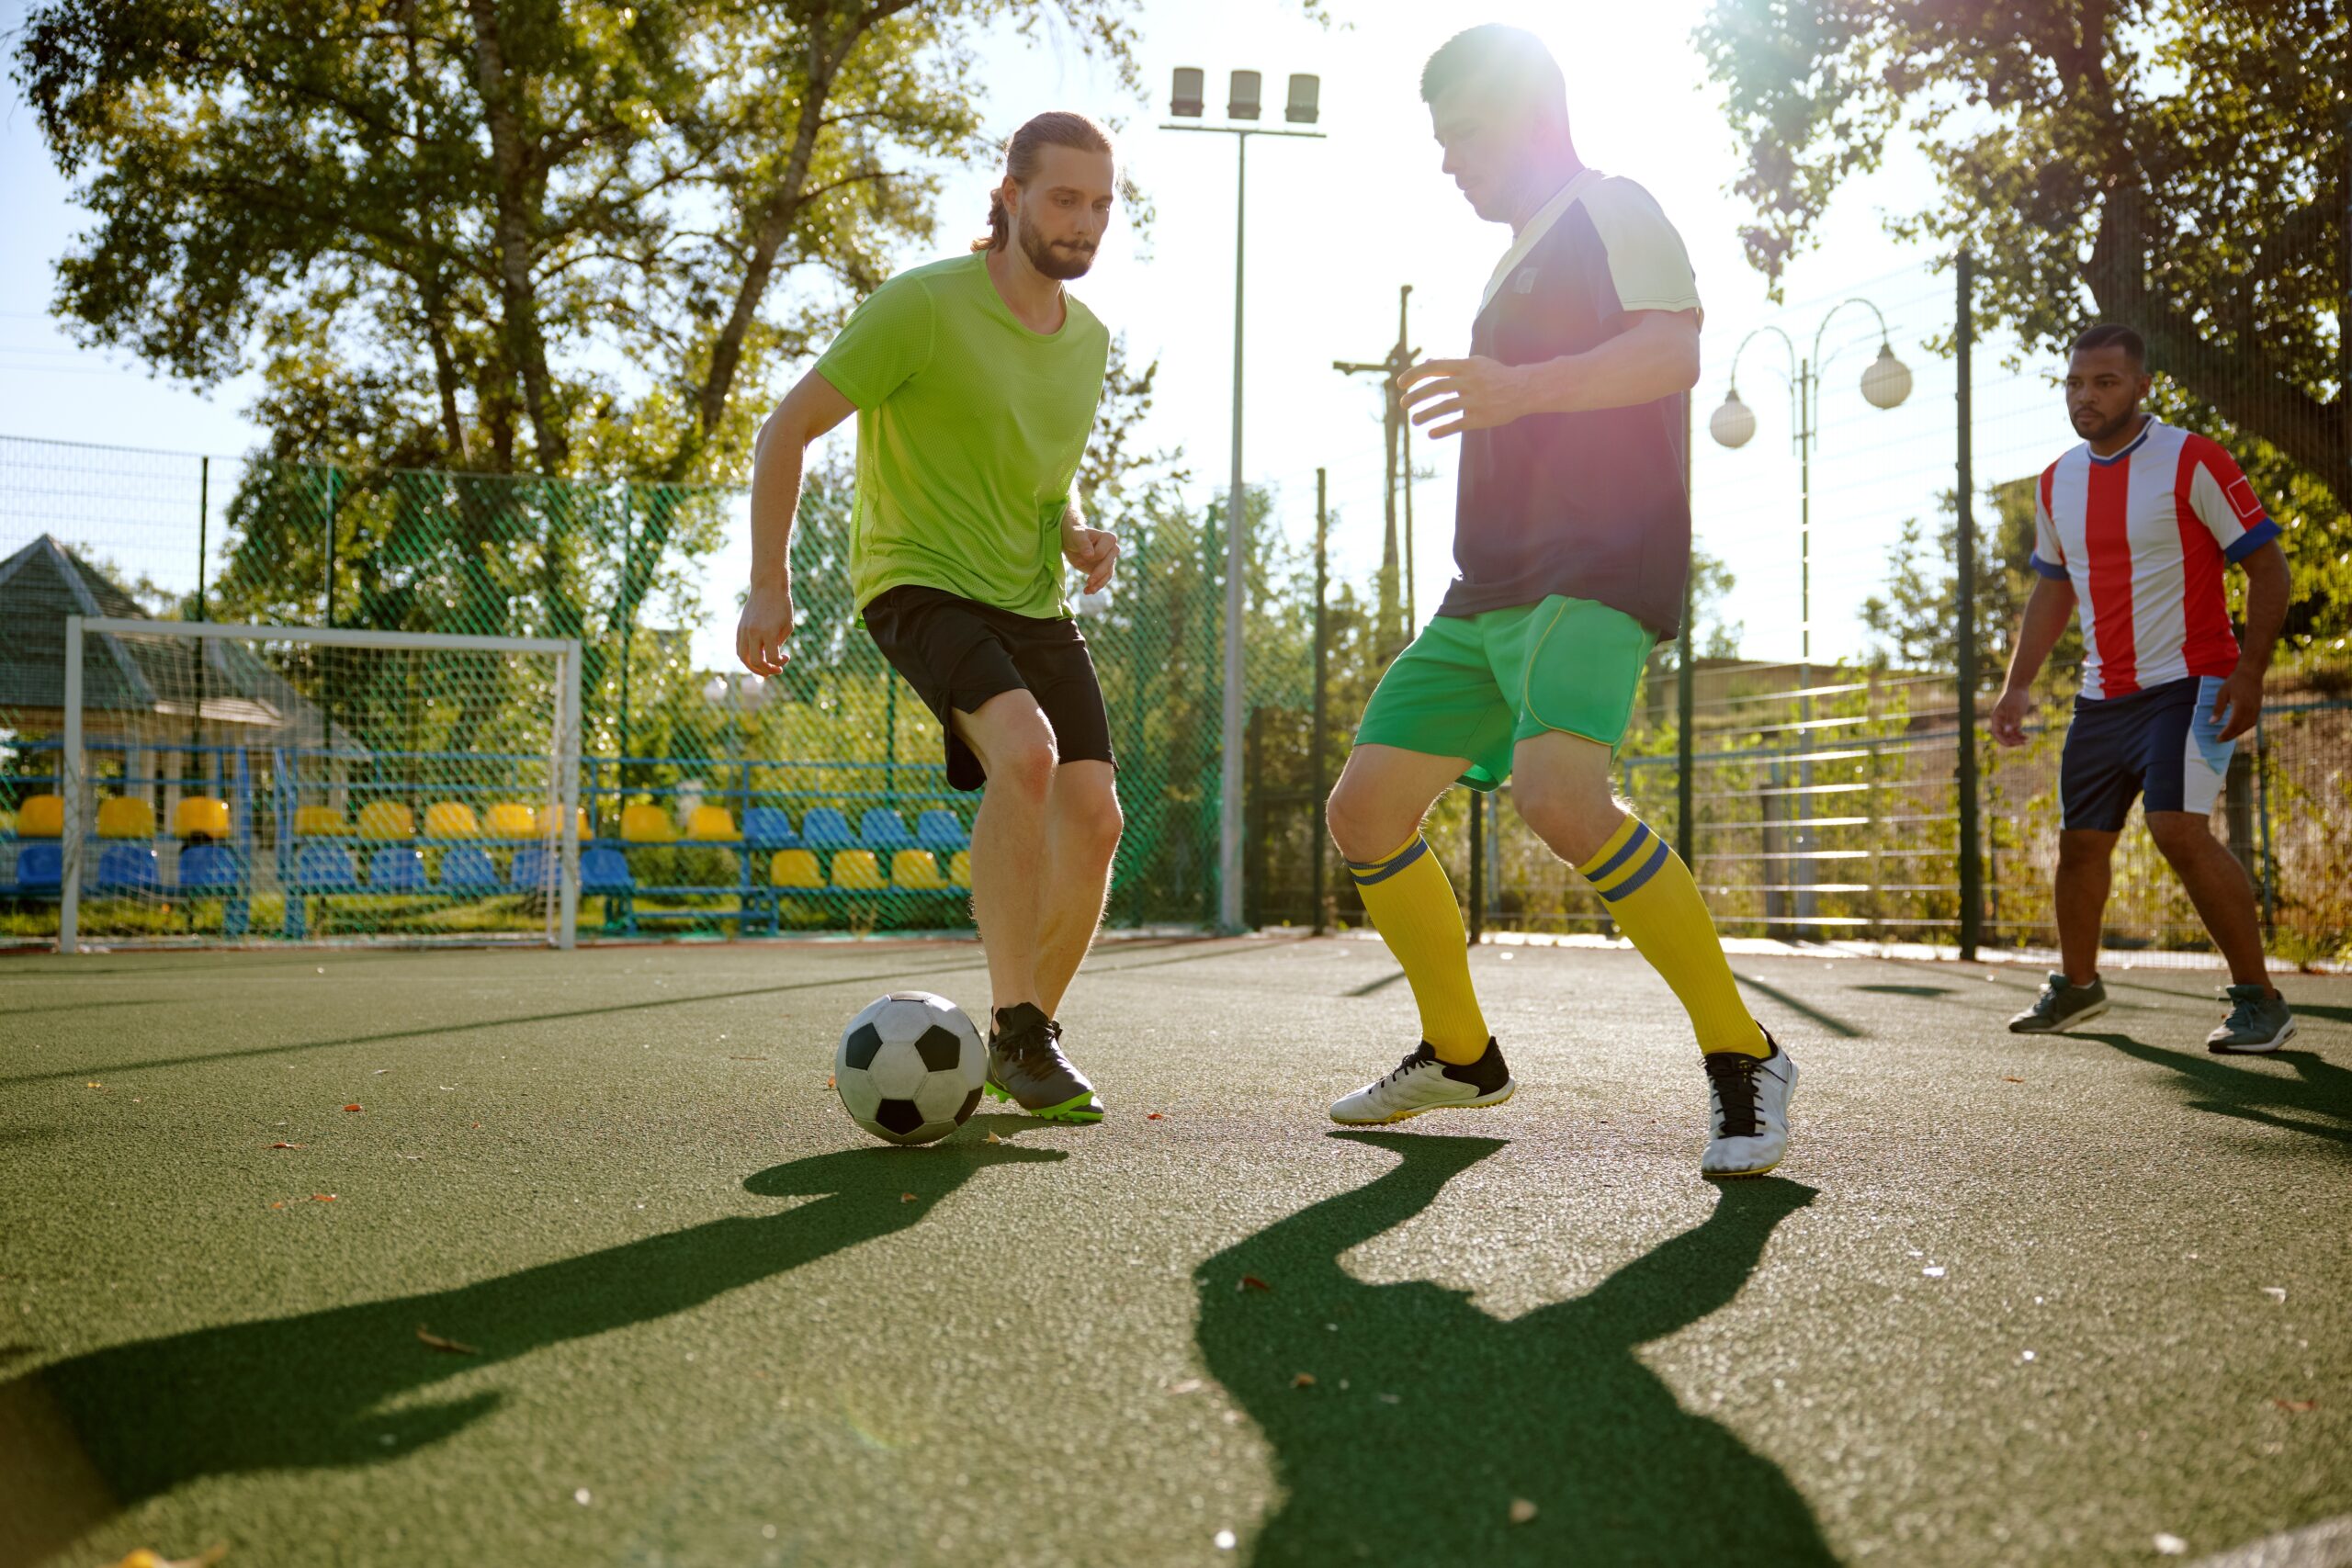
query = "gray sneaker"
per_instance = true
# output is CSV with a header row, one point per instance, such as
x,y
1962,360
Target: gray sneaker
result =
x,y
2258,1021
1026,1066
2062,1005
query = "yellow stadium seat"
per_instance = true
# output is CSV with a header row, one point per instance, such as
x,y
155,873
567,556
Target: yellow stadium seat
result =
x,y
451,819
858,868
712,825
513,819
123,818
200,813
319,822
41,817
916,870
794,868
644,824
386,820
959,870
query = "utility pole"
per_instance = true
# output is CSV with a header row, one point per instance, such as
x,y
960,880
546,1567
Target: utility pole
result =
x,y
1395,619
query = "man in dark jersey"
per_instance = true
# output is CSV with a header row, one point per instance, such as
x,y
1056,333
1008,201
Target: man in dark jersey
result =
x,y
1572,532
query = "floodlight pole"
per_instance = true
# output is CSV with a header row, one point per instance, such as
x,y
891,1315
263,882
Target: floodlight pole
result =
x,y
1236,557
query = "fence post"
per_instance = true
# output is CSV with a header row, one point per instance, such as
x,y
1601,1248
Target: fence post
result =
x,y
1686,837
2270,875
332,473
1315,736
1478,867
1972,884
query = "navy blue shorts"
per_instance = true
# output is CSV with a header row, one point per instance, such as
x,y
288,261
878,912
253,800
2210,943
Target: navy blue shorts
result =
x,y
2161,743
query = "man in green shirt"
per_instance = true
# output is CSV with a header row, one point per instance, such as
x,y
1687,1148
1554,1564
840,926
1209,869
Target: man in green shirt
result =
x,y
974,381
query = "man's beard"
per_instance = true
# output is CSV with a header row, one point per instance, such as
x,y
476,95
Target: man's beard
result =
x,y
2112,429
1059,262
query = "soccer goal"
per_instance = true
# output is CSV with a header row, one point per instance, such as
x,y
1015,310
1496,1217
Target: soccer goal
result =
x,y
251,784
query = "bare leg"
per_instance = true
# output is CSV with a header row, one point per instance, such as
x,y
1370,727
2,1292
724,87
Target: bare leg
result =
x,y
1016,747
1081,835
1383,794
2220,888
2084,873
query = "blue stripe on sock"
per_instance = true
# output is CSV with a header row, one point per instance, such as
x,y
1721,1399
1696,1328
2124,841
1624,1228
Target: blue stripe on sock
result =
x,y
1366,873
1642,836
1634,882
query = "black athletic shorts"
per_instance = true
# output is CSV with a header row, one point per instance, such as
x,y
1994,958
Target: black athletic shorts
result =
x,y
957,653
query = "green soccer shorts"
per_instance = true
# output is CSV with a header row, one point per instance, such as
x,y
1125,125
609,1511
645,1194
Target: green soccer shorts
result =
x,y
1476,686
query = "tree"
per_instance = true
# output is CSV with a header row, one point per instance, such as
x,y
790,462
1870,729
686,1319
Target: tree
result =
x,y
2181,166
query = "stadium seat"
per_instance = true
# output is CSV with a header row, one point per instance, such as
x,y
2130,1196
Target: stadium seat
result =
x,y
324,868
794,868
119,816
767,827
605,869
883,832
41,817
533,869
451,819
41,868
200,813
513,819
396,868
319,822
826,828
647,824
386,820
858,869
711,825
916,871
126,868
466,869
942,832
210,868
959,870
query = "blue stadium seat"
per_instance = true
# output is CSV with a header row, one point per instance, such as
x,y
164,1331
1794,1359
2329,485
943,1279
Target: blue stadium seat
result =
x,y
604,871
466,869
767,827
210,868
41,868
883,832
320,867
826,828
942,832
532,870
126,868
396,868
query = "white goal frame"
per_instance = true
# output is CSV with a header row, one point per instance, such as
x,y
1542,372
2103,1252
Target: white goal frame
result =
x,y
73,766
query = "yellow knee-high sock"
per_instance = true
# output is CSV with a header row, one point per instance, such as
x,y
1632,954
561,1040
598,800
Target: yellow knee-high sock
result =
x,y
1653,899
1408,895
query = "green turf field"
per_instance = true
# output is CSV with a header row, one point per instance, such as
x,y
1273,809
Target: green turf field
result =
x,y
2009,1301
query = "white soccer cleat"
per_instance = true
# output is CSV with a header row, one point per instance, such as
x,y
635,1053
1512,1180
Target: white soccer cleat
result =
x,y
1747,1102
1421,1083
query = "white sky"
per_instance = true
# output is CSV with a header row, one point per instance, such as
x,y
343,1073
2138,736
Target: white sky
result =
x,y
1334,228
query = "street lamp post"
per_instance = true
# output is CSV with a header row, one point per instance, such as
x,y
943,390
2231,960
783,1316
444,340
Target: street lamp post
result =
x,y
1886,381
1241,104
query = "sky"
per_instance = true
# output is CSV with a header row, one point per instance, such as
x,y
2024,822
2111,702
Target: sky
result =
x,y
1334,227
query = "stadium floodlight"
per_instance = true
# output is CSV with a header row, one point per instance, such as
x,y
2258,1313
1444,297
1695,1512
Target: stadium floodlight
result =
x,y
1185,102
244,783
1243,104
1241,97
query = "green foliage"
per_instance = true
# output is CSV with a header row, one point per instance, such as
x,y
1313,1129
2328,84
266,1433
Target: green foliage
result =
x,y
2181,167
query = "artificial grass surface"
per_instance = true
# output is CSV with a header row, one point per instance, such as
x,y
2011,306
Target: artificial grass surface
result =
x,y
699,1297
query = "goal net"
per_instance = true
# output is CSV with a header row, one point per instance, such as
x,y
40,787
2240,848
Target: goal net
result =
x,y
258,785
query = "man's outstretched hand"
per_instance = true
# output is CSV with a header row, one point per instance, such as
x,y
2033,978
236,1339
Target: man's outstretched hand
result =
x,y
766,624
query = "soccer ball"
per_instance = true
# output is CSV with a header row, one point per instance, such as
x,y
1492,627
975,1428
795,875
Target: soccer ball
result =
x,y
910,1067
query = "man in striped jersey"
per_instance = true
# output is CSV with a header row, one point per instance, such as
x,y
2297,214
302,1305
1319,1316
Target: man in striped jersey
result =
x,y
2139,524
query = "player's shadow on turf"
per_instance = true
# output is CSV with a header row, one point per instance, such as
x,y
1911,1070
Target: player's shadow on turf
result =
x,y
110,1428
1450,1415
2316,1101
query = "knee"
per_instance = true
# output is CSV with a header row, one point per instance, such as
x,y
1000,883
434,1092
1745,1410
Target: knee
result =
x,y
1094,815
2080,854
1359,827
1024,768
2178,834
1575,824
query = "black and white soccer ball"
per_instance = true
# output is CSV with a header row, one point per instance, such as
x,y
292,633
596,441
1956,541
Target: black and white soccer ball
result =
x,y
910,1067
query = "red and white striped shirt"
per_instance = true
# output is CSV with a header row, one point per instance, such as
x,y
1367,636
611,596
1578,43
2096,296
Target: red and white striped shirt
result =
x,y
2146,536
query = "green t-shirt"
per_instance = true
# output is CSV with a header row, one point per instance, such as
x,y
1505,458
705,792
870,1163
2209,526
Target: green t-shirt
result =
x,y
969,430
